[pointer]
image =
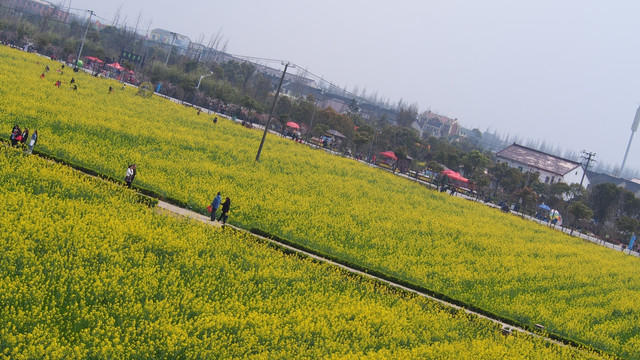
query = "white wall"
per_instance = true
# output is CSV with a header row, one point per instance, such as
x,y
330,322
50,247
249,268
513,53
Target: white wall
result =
x,y
571,177
574,177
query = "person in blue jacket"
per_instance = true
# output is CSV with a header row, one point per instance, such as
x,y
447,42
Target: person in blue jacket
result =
x,y
215,204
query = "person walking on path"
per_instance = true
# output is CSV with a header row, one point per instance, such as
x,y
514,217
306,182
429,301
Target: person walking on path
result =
x,y
131,174
226,205
215,204
32,143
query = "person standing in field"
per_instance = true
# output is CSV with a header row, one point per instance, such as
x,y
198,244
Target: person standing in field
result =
x,y
14,135
25,135
215,204
32,143
226,205
130,175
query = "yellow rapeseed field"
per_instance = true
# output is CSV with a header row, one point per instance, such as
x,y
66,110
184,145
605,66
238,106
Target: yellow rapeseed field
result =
x,y
87,272
496,262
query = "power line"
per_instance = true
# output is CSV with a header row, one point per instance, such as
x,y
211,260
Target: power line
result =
x,y
254,58
332,87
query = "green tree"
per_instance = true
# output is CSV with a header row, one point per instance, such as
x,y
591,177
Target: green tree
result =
x,y
353,112
261,88
603,200
474,162
579,210
302,110
407,115
434,166
528,198
556,193
363,137
627,226
333,120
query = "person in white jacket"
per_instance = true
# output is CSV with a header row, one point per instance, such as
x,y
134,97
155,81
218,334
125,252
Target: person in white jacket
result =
x,y
131,174
32,142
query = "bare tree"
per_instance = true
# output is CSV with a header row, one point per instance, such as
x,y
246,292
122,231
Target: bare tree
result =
x,y
116,16
212,47
199,41
127,37
46,17
224,46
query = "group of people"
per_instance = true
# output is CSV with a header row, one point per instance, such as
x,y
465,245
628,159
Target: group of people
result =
x,y
445,184
213,208
111,88
226,205
72,83
20,137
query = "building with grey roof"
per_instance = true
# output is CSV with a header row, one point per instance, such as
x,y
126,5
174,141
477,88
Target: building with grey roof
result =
x,y
552,169
598,178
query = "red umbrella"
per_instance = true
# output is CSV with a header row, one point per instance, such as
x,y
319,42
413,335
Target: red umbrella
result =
x,y
389,154
292,125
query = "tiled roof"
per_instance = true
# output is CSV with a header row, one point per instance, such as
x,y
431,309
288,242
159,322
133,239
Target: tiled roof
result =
x,y
443,119
537,159
597,178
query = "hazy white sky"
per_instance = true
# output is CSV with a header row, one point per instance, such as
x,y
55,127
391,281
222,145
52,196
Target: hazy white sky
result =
x,y
566,72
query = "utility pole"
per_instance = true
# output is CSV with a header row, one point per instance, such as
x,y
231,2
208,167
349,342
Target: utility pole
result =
x,y
313,114
275,100
75,65
373,138
173,40
589,157
634,128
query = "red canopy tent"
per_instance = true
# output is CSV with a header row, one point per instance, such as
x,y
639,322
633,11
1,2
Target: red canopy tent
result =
x,y
94,59
116,66
454,176
389,154
292,125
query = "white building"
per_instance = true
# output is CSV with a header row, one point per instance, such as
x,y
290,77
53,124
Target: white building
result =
x,y
552,169
179,41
